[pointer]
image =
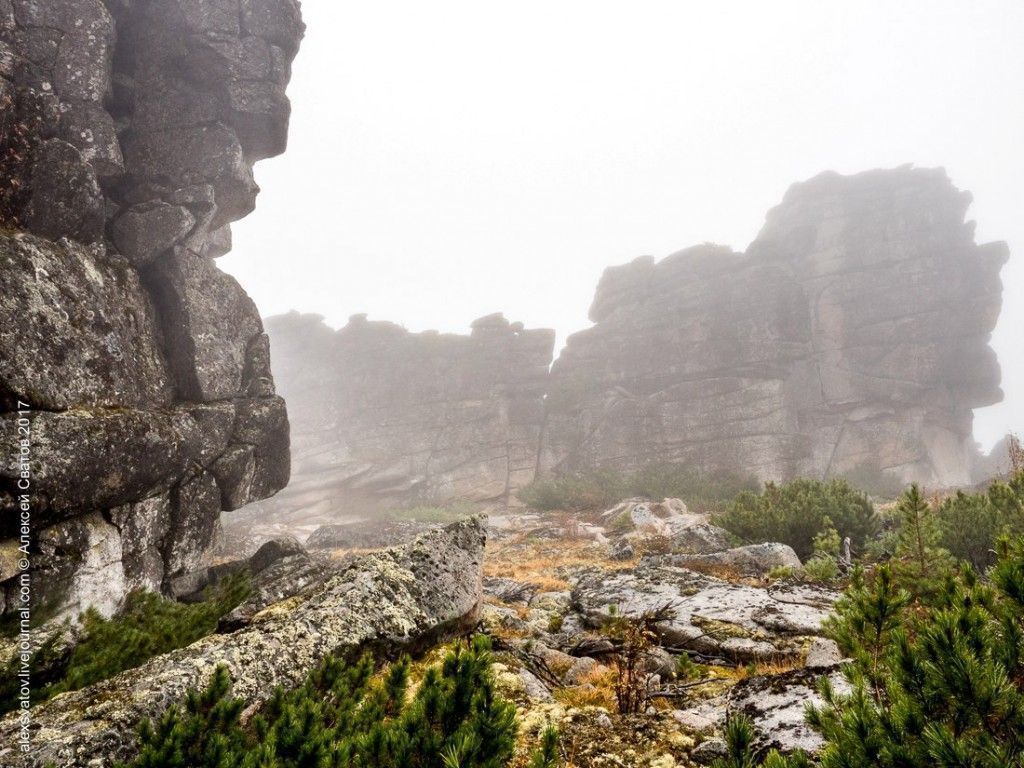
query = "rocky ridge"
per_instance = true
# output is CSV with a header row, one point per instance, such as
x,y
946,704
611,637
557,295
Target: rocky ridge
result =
x,y
851,337
130,130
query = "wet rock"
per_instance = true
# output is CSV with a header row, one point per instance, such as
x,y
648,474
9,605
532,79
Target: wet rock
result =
x,y
776,705
700,539
621,550
142,373
823,652
791,359
79,331
427,416
710,750
66,200
290,573
394,600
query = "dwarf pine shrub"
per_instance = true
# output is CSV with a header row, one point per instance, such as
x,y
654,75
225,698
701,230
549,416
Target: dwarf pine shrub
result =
x,y
601,488
935,684
345,715
147,626
798,512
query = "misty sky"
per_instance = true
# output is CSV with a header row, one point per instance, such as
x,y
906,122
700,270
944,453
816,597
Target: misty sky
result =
x,y
452,159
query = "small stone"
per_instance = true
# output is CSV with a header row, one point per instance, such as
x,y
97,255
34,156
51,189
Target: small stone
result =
x,y
823,652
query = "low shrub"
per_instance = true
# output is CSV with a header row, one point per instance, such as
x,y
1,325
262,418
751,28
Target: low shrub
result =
x,y
344,716
797,512
971,522
147,626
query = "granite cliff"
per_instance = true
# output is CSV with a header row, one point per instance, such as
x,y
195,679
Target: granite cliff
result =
x,y
129,132
851,336
854,331
383,416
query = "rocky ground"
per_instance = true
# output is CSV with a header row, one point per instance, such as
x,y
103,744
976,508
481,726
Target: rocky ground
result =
x,y
754,644
730,629
553,584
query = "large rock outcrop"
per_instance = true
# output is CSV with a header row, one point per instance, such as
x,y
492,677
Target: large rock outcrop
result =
x,y
401,599
853,332
381,415
851,337
128,136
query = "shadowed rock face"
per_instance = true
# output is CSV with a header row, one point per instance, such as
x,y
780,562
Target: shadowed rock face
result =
x,y
853,332
130,131
395,600
851,336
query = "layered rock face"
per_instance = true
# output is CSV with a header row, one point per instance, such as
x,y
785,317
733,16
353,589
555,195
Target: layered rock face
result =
x,y
852,336
852,333
129,133
381,415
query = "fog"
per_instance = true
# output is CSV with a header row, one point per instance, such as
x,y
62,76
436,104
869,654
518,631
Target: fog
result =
x,y
453,159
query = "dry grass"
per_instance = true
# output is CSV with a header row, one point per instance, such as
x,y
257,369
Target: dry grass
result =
x,y
765,668
596,689
537,561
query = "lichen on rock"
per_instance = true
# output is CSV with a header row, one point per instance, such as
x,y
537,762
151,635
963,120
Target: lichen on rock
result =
x,y
131,135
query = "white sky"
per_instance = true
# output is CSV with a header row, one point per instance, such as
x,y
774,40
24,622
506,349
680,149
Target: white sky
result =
x,y
452,159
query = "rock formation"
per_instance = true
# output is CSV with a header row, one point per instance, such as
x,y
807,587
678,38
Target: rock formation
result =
x,y
854,331
128,135
381,415
851,337
406,598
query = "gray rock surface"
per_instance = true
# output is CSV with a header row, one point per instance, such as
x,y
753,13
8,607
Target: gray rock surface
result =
x,y
404,598
384,417
752,559
366,534
709,615
145,368
792,358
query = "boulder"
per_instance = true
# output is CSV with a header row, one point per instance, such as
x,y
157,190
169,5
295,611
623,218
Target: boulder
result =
x,y
394,600
753,559
708,615
701,538
776,705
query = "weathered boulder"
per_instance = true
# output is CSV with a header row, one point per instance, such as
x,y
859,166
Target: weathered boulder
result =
x,y
753,559
398,599
130,130
701,538
708,615
776,705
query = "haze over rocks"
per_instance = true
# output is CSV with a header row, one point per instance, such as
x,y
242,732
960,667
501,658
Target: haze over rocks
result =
x,y
851,336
